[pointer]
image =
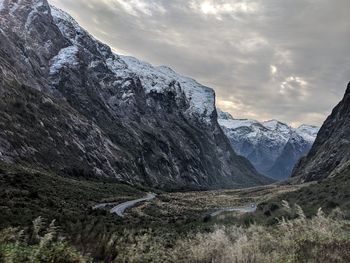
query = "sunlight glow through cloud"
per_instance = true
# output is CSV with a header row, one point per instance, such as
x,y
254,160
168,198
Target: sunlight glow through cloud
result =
x,y
226,7
136,7
273,69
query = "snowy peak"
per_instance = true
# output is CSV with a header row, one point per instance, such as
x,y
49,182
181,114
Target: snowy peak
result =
x,y
200,98
308,132
268,142
238,123
161,79
223,115
277,126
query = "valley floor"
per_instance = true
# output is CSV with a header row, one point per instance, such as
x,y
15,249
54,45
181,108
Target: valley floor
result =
x,y
173,227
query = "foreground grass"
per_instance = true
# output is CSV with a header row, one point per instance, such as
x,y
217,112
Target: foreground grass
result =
x,y
318,239
36,244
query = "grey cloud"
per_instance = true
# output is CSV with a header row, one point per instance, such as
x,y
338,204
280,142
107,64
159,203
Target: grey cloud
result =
x,y
232,46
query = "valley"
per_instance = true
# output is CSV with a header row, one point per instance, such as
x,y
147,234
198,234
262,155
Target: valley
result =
x,y
107,158
156,228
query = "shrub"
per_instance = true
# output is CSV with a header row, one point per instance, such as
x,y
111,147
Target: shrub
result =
x,y
318,239
36,244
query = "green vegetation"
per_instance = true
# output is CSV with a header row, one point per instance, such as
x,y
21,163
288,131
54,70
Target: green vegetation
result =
x,y
172,228
328,194
317,239
36,244
27,194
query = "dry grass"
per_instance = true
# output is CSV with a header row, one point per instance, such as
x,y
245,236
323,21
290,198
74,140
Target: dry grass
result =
x,y
318,239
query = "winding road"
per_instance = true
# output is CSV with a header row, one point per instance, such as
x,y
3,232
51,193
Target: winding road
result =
x,y
119,209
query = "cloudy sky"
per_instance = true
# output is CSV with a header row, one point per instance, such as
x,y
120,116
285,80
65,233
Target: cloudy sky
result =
x,y
287,60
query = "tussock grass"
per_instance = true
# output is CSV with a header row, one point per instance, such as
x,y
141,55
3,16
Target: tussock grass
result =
x,y
321,238
39,243
318,239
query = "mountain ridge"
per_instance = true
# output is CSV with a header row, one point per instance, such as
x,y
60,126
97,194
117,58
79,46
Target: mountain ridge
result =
x,y
71,105
272,146
329,156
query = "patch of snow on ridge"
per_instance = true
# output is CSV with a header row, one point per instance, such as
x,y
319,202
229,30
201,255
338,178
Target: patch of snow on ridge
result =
x,y
201,98
275,125
223,115
236,123
33,13
2,5
308,132
66,57
65,23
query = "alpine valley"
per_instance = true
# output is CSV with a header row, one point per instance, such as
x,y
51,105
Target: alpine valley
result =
x,y
106,158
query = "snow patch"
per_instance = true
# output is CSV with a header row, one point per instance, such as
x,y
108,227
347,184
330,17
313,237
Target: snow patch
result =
x,y
35,10
308,132
2,5
159,79
236,123
66,57
58,13
275,125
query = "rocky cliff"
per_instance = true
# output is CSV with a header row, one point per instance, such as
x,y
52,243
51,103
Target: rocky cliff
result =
x,y
330,154
70,105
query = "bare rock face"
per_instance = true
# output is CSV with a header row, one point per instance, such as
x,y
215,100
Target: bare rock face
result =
x,y
330,154
70,105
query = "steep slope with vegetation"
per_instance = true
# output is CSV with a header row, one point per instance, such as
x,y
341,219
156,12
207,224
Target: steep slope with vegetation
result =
x,y
330,154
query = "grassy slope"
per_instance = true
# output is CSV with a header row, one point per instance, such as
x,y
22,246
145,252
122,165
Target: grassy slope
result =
x,y
327,194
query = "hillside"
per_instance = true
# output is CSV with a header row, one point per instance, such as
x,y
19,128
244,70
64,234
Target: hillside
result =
x,y
72,106
330,155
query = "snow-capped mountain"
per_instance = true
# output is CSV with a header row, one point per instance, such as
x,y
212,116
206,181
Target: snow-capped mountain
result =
x,y
272,147
71,105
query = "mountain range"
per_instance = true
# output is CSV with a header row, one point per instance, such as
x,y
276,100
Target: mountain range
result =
x,y
272,147
72,106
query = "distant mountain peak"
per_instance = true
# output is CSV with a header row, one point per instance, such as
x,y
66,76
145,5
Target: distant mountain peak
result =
x,y
265,143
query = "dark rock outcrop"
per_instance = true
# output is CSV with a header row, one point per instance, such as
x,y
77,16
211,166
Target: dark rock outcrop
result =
x,y
70,105
330,154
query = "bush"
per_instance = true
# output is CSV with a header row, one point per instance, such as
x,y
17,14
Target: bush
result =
x,y
36,244
318,239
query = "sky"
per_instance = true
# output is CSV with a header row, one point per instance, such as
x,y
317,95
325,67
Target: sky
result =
x,y
266,59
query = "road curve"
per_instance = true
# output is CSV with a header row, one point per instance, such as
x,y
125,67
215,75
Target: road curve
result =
x,y
119,209
247,209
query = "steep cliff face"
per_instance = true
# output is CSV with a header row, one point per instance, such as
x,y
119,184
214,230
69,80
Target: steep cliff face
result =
x,y
71,105
330,154
272,146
